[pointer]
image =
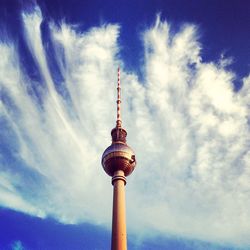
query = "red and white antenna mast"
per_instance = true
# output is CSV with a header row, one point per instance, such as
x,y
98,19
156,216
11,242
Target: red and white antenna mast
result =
x,y
119,119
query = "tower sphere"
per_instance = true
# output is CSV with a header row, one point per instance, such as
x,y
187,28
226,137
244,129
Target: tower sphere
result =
x,y
118,156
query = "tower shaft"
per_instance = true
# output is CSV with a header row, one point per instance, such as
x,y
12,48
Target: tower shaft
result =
x,y
119,234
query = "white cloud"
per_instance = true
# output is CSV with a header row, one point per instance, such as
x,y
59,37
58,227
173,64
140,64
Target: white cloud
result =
x,y
189,129
17,245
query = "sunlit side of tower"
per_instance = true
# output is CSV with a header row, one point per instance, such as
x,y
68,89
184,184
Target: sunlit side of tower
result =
x,y
118,161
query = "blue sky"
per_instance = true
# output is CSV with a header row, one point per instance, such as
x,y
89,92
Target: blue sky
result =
x,y
185,91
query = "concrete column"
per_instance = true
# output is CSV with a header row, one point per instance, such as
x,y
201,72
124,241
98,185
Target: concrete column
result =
x,y
119,234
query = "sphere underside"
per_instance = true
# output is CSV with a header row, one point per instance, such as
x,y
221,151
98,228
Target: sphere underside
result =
x,y
118,156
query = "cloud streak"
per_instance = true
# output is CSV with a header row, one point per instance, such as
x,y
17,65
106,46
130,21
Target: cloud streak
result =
x,y
188,127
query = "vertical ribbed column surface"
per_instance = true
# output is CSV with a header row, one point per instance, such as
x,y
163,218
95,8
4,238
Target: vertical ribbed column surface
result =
x,y
119,234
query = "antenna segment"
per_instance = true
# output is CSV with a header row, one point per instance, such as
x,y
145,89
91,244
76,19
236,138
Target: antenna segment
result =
x,y
119,119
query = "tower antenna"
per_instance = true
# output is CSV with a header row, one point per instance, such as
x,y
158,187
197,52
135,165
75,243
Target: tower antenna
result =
x,y
119,119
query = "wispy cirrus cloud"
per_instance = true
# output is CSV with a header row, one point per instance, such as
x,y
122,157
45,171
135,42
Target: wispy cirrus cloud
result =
x,y
188,126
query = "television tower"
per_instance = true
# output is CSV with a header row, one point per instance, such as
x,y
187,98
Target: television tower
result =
x,y
118,161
